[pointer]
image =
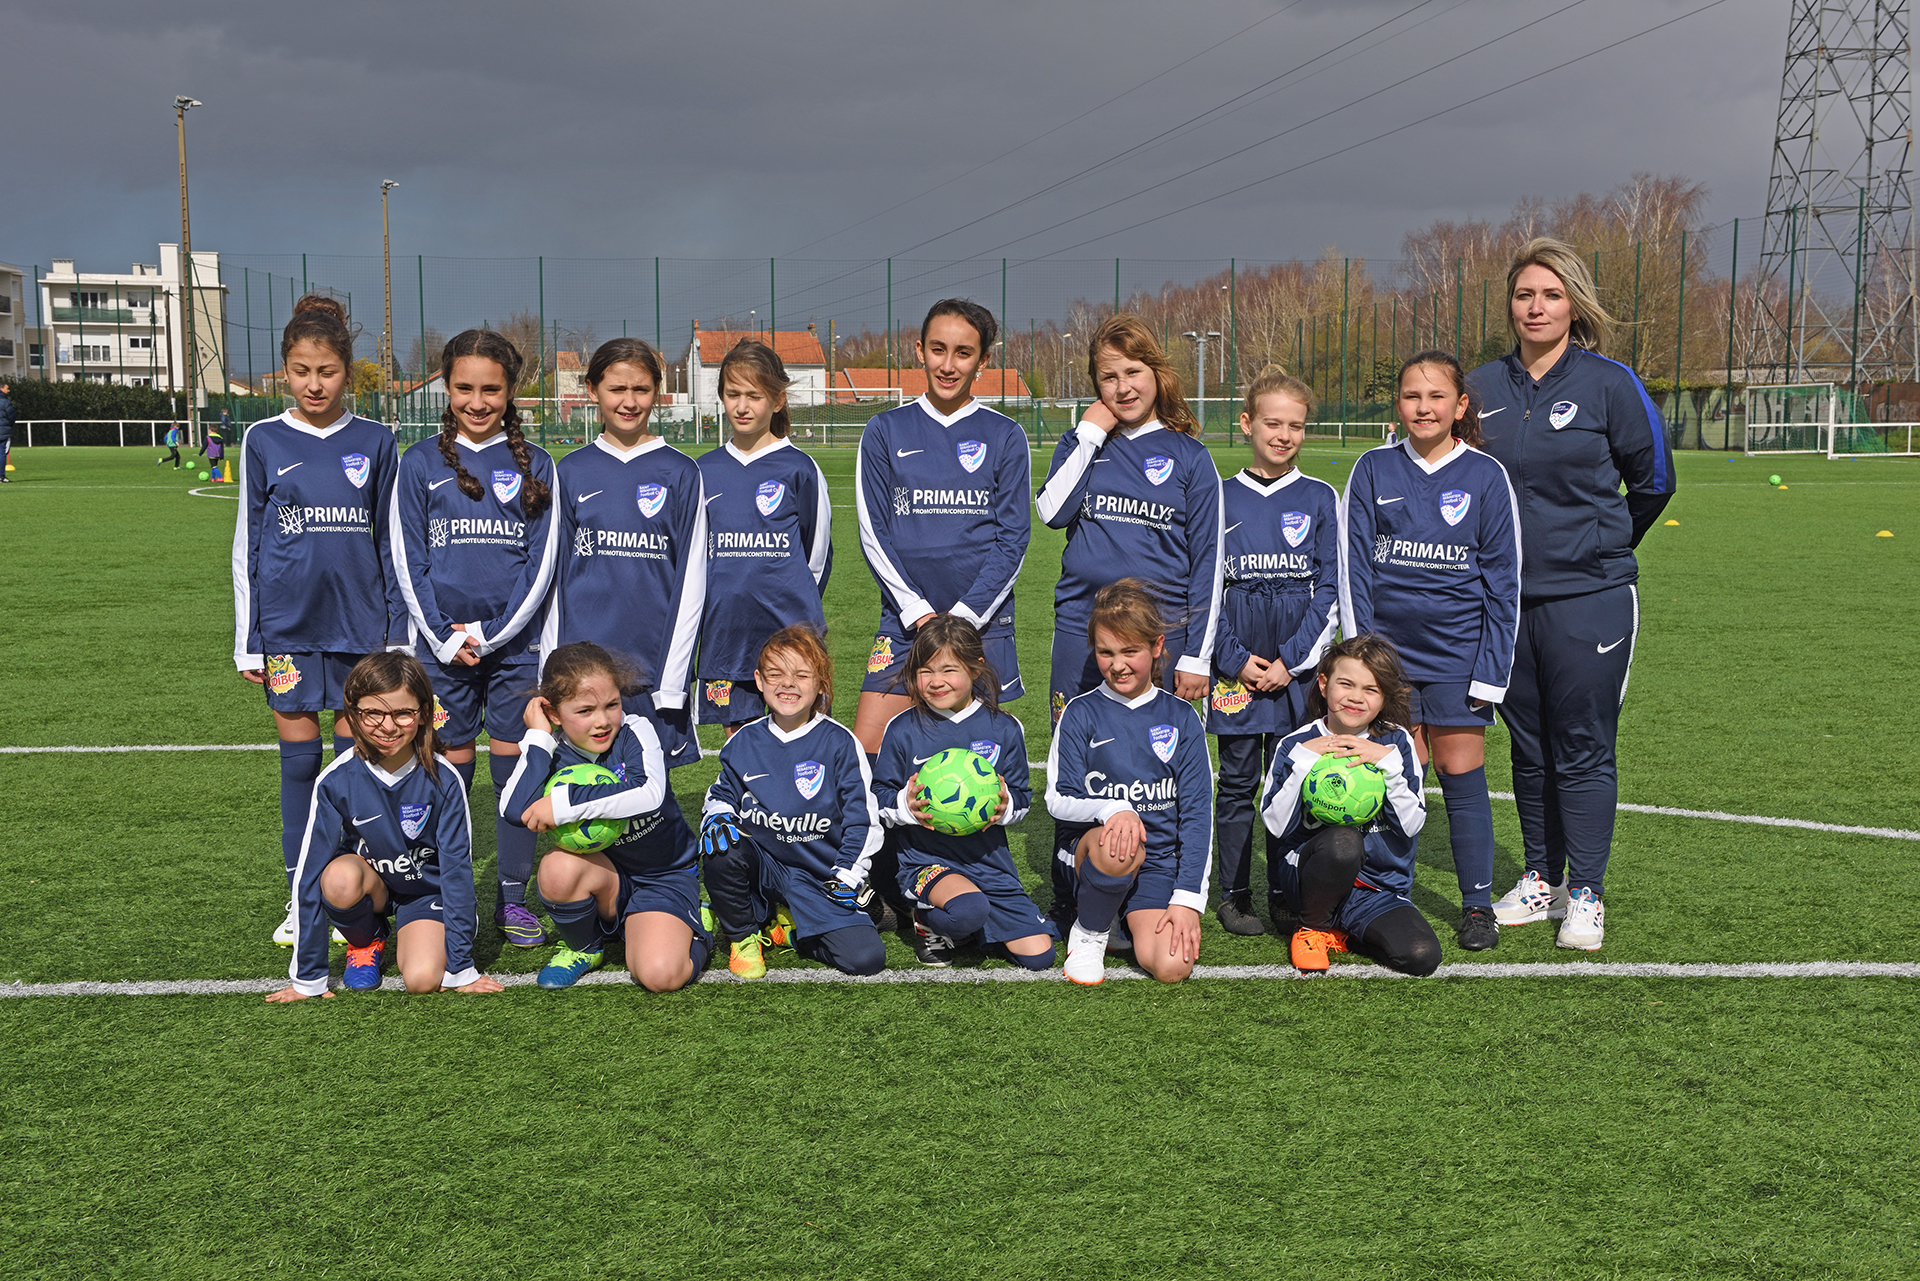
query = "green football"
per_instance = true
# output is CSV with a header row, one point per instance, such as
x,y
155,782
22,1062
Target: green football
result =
x,y
1344,791
589,835
961,791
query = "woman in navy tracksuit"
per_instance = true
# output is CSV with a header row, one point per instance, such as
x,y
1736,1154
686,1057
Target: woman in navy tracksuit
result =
x,y
1570,426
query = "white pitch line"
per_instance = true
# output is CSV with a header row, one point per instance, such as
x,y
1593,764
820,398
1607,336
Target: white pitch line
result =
x,y
1273,973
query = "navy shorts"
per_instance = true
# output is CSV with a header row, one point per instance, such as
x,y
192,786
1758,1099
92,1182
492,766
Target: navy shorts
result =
x,y
1011,913
729,702
887,664
1362,906
1153,889
676,893
308,682
421,907
495,691
1445,703
813,912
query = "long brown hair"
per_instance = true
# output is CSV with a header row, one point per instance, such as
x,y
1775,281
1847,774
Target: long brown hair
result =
x,y
946,631
1128,610
1133,338
1468,428
383,673
488,345
1379,656
756,363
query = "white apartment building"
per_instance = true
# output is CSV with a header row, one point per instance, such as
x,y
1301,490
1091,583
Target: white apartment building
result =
x,y
126,328
15,294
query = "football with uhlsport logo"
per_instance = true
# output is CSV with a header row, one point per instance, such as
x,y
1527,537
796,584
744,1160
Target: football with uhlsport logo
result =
x,y
961,791
1344,791
588,835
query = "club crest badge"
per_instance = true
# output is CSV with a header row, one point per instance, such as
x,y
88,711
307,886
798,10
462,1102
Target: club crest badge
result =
x,y
413,818
882,656
1454,504
651,499
1230,697
620,771
1294,527
1158,468
1562,413
357,468
767,497
506,485
282,675
719,693
1164,739
972,454
986,749
807,778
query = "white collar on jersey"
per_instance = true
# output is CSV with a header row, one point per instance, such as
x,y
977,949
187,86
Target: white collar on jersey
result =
x,y
346,416
773,727
628,455
1459,447
1264,490
413,763
927,406
1134,433
960,715
1327,730
779,443
476,446
1153,691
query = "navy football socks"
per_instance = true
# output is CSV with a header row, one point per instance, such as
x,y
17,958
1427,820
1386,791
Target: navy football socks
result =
x,y
699,950
1100,896
578,923
1038,961
964,916
513,845
359,924
299,767
1470,828
466,774
342,745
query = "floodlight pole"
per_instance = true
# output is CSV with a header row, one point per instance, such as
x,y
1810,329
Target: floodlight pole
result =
x,y
1065,385
386,277
1200,341
181,104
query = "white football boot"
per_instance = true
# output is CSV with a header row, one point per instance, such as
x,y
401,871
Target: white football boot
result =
x,y
283,932
1531,899
1086,956
1586,925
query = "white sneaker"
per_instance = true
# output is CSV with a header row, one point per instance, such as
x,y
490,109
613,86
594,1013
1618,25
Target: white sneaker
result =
x,y
283,932
1586,925
1531,899
1086,956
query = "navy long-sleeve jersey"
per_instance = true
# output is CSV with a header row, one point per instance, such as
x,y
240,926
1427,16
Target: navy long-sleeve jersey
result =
x,y
312,561
414,831
464,561
943,512
657,838
1144,503
632,569
1569,441
1392,839
913,738
770,549
1148,755
805,798
1431,560
1281,572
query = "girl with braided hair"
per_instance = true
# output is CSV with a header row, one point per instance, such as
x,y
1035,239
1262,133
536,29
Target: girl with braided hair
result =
x,y
474,545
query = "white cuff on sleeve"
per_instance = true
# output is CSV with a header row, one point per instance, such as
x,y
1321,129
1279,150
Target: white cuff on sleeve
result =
x,y
540,738
249,662
1486,693
310,987
1092,435
1193,666
1187,898
451,980
673,699
961,611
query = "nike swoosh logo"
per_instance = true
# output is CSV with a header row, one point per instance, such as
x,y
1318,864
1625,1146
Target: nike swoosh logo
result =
x,y
584,497
1098,742
284,470
358,821
907,453
1604,648
1484,415
1236,524
435,906
922,760
680,750
748,778
1382,502
1484,885
435,484
1103,460
1009,685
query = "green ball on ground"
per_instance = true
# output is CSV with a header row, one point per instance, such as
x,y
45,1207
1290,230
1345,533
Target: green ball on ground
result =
x,y
1344,791
589,835
961,791
205,476
1773,480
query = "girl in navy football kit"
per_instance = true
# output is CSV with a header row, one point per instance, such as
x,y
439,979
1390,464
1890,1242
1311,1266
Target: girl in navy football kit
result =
x,y
959,886
314,588
770,535
474,556
645,887
941,489
1129,781
387,847
1351,885
791,820
632,539
1280,564
1571,427
1431,561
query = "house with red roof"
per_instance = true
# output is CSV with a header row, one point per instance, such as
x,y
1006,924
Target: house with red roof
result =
x,y
799,350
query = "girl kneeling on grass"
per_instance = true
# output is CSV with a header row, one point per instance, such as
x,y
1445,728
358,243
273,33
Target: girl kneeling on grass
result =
x,y
646,883
1349,885
408,853
1129,781
959,886
791,820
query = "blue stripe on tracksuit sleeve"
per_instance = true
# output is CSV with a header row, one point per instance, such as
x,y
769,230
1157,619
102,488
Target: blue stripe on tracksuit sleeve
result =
x,y
1637,435
1206,577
